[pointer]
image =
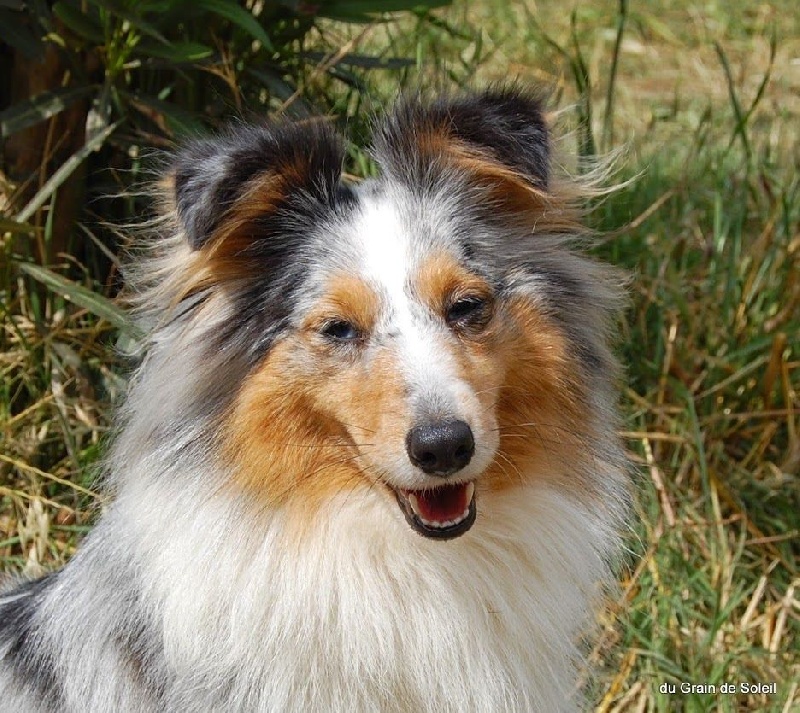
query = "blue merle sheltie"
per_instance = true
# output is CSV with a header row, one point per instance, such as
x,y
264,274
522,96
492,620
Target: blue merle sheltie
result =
x,y
369,459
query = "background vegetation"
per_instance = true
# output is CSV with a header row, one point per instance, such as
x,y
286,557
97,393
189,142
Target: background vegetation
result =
x,y
705,99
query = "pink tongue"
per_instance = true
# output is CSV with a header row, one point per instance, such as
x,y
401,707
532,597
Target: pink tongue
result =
x,y
446,502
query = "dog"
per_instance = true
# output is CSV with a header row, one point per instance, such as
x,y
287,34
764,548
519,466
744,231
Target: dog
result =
x,y
369,460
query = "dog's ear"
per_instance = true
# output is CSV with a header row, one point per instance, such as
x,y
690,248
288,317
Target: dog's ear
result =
x,y
251,173
497,139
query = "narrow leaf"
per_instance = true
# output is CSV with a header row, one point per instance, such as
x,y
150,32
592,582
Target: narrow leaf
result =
x,y
177,52
741,121
38,108
78,294
119,9
171,118
83,25
236,14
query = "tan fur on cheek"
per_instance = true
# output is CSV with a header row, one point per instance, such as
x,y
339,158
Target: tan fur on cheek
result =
x,y
481,365
542,432
283,450
308,426
370,400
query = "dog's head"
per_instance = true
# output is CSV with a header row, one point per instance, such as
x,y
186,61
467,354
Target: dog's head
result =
x,y
425,336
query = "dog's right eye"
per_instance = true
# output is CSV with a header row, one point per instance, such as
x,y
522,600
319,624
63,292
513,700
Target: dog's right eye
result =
x,y
471,311
339,330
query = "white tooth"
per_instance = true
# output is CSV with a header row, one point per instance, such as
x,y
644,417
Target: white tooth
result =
x,y
470,493
446,523
412,500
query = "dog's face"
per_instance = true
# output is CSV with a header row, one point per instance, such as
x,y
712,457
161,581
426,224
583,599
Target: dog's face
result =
x,y
422,337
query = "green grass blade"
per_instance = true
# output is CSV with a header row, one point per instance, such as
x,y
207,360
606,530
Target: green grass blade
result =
x,y
762,87
362,61
740,129
608,121
79,295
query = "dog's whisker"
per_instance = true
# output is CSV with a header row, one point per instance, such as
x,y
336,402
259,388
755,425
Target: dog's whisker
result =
x,y
506,430
357,427
488,389
517,472
322,445
296,486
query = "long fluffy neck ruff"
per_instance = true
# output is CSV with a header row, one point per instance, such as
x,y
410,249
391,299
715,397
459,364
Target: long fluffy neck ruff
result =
x,y
360,613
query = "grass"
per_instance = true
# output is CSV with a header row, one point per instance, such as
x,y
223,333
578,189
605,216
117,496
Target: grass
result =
x,y
706,104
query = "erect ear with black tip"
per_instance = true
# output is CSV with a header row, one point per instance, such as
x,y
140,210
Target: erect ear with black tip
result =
x,y
251,172
498,138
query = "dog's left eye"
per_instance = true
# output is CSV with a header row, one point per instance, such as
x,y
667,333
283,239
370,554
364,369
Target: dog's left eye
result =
x,y
339,330
467,310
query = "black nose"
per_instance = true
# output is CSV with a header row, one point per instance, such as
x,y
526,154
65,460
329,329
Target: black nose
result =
x,y
440,448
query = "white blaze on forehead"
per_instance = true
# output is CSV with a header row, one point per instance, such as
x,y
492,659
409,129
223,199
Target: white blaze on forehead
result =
x,y
385,249
389,258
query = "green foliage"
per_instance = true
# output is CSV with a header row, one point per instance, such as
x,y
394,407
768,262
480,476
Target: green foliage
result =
x,y
207,58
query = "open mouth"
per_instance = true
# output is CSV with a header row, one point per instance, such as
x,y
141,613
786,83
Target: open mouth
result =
x,y
443,513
